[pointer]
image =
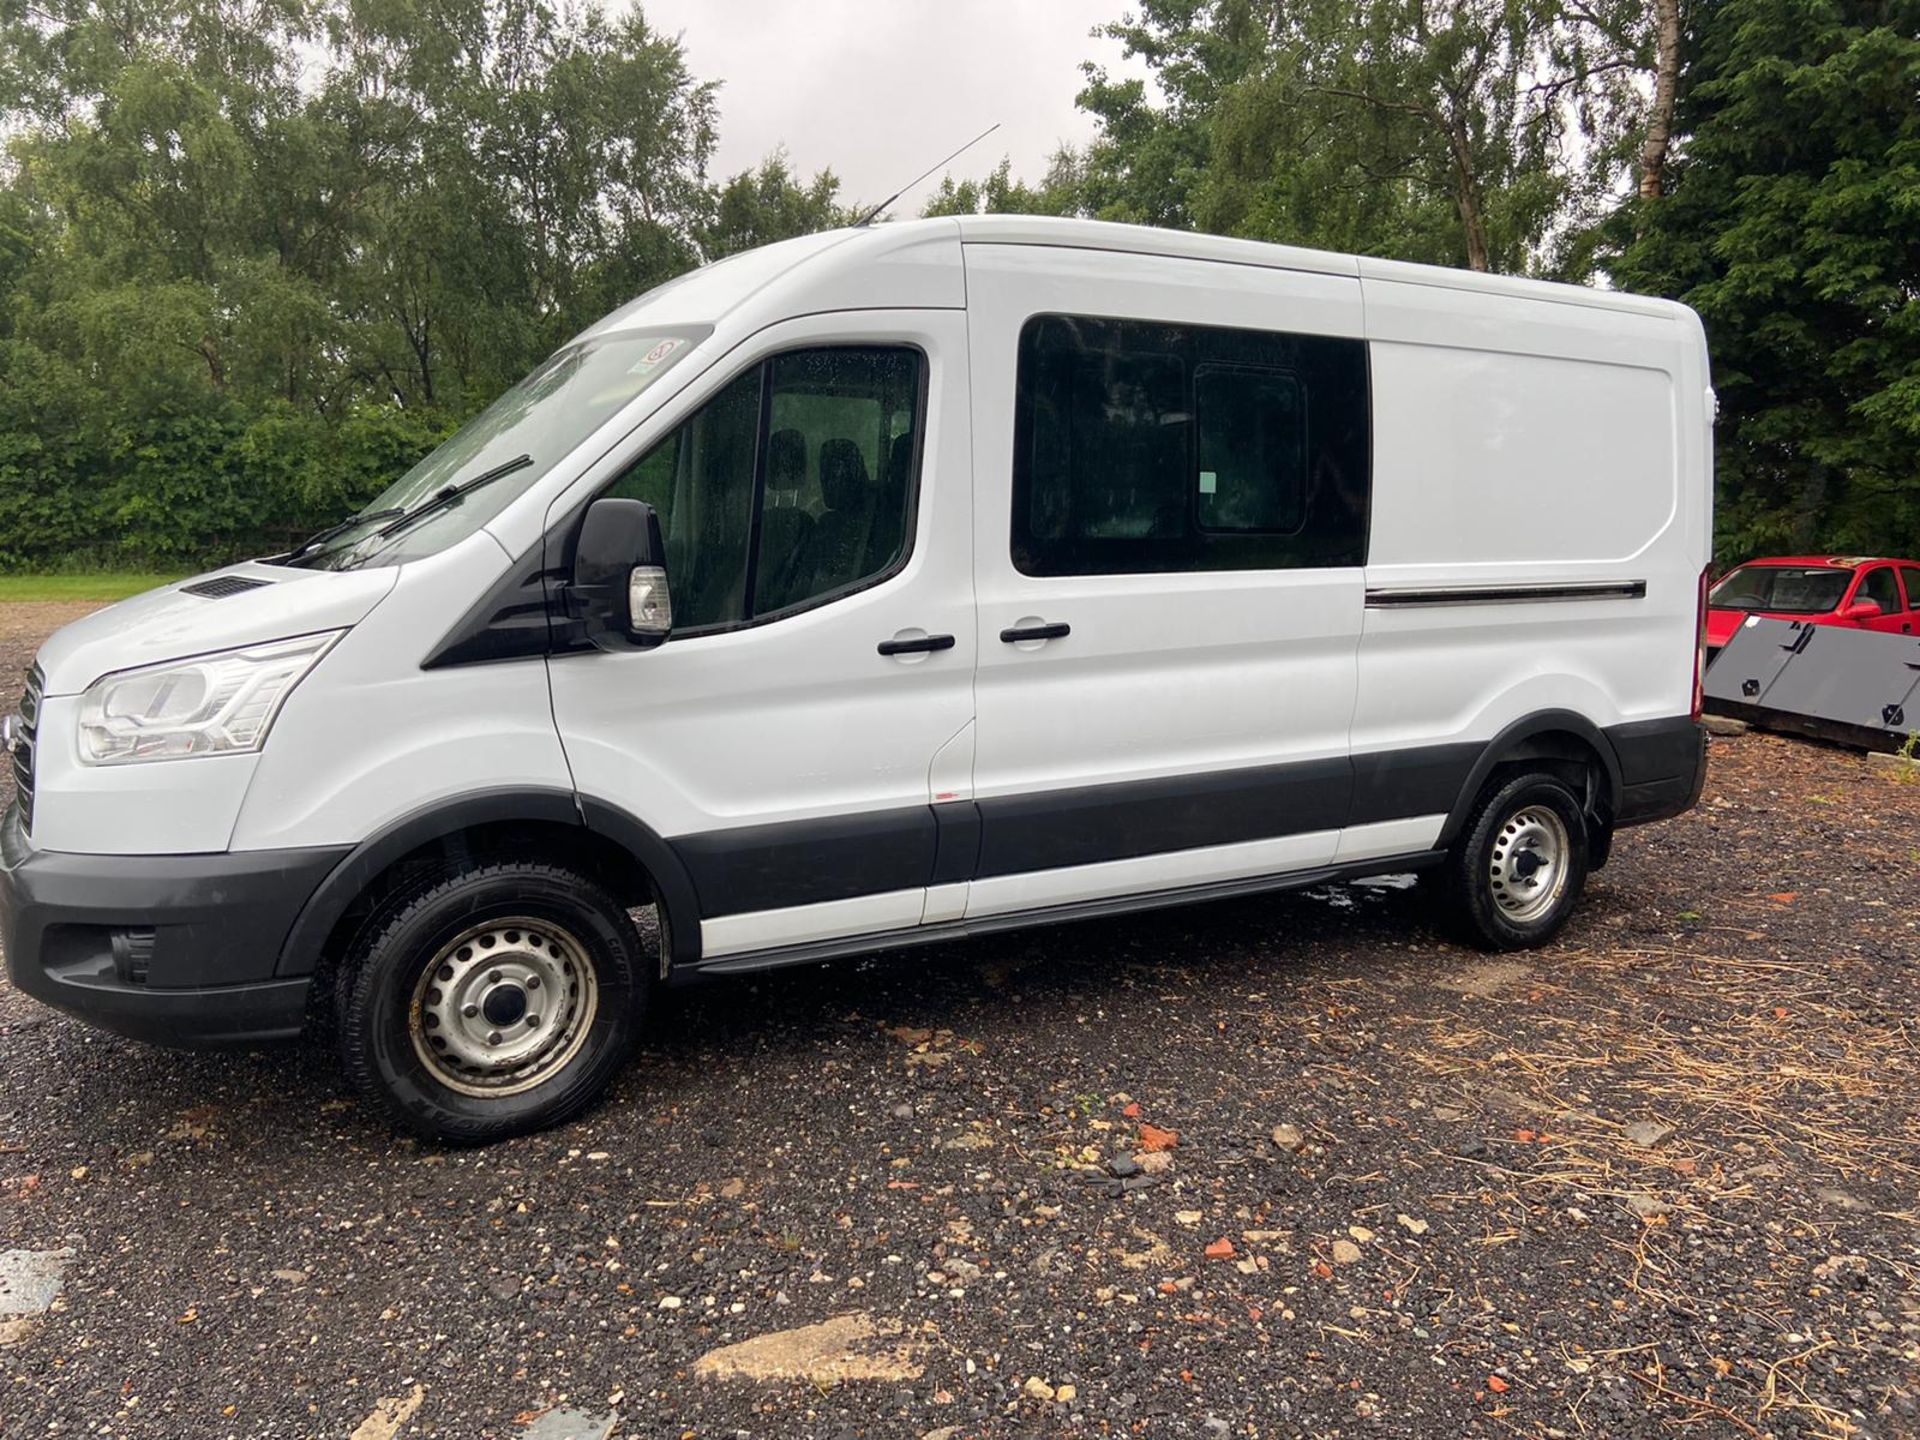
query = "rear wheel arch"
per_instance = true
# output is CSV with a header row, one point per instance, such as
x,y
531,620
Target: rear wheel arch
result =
x,y
1561,743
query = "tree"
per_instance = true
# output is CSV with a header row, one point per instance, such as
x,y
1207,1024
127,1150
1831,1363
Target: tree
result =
x,y
1789,217
1001,194
758,207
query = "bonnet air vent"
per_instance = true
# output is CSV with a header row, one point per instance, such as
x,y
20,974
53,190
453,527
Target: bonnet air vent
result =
x,y
221,586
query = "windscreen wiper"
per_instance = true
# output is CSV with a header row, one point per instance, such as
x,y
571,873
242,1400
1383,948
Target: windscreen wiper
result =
x,y
446,495
315,541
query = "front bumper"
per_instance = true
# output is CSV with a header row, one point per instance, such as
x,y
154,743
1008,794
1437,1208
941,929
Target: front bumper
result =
x,y
171,949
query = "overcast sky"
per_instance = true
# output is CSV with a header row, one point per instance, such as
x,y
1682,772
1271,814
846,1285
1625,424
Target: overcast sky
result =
x,y
877,90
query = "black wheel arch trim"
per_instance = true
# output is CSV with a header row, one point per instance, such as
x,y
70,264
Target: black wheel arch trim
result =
x,y
347,881
1515,735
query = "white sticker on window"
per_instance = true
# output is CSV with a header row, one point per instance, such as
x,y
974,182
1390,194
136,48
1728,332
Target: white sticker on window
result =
x,y
1209,482
652,359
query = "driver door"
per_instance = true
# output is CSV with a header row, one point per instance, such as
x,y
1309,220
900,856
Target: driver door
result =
x,y
816,508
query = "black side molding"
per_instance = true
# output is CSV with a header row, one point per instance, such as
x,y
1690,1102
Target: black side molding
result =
x,y
1393,597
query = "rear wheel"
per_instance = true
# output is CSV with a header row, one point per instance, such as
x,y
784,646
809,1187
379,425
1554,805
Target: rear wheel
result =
x,y
497,1000
1520,864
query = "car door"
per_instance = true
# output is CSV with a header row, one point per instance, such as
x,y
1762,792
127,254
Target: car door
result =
x,y
1167,570
1910,577
1879,584
816,509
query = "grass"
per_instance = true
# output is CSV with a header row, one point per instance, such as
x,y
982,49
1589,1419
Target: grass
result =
x,y
102,585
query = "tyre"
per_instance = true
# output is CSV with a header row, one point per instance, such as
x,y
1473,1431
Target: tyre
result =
x,y
494,1001
1519,866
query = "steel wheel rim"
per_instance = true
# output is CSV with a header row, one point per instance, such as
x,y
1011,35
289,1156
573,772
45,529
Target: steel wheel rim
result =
x,y
503,1006
1527,871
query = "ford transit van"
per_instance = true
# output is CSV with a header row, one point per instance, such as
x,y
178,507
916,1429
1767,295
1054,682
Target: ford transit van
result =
x,y
876,588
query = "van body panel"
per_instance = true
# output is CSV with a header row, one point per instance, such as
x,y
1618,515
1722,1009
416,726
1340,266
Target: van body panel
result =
x,y
382,737
1164,677
757,747
1537,508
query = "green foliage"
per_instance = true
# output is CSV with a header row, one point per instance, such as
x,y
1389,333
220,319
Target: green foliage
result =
x,y
257,258
1792,224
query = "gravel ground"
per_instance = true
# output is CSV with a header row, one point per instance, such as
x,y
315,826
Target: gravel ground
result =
x,y
1287,1166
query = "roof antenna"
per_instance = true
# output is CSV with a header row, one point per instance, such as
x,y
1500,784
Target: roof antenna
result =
x,y
868,218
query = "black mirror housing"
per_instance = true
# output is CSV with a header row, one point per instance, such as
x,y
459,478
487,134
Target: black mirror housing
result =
x,y
620,559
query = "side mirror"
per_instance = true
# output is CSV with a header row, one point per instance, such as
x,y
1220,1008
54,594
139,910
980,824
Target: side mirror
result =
x,y
619,587
1862,610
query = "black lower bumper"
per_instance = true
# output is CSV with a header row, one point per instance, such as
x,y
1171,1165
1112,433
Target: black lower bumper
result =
x,y
1663,764
171,949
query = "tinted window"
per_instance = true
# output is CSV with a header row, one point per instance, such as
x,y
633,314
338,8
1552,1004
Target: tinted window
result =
x,y
1912,577
1149,448
1784,589
1878,585
796,482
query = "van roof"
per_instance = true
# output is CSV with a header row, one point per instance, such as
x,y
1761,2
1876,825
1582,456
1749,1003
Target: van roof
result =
x,y
1185,244
714,289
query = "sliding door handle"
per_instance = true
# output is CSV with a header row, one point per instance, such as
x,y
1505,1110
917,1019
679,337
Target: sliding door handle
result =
x,y
1053,631
916,645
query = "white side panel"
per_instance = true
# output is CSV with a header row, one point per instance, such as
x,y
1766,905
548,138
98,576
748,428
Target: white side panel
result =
x,y
1388,837
803,924
1172,870
1484,459
944,902
370,736
1520,441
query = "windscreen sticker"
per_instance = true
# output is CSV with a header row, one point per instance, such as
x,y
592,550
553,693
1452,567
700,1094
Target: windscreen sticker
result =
x,y
1209,482
655,357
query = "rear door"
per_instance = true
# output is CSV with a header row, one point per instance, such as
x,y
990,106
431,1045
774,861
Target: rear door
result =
x,y
1169,529
1910,576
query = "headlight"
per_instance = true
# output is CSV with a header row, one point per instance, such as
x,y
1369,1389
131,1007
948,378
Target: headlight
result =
x,y
208,705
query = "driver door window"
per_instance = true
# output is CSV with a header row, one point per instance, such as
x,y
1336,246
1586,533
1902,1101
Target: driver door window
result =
x,y
792,486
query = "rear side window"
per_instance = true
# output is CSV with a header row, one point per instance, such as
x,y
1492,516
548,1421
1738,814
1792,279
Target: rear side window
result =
x,y
794,484
1144,448
1878,586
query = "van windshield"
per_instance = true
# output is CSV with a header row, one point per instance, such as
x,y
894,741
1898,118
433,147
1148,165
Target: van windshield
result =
x,y
1782,589
492,459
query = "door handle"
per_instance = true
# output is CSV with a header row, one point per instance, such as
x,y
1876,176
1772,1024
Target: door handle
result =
x,y
920,645
1053,631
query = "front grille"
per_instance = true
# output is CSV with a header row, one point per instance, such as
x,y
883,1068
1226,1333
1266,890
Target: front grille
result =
x,y
24,742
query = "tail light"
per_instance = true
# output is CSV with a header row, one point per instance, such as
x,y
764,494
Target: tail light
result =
x,y
1700,647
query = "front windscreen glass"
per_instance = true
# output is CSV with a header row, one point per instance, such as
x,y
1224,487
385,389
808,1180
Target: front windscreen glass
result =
x,y
498,454
1782,589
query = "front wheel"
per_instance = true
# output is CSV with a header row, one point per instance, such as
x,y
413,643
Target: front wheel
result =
x,y
494,1001
1519,866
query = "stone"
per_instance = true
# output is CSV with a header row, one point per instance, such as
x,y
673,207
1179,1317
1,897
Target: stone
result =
x,y
1289,1137
1037,1389
390,1413
30,1281
1724,726
1647,1207
1647,1134
1412,1224
569,1425
1124,1165
1345,1252
847,1347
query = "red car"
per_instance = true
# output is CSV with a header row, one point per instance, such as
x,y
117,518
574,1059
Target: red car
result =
x,y
1871,594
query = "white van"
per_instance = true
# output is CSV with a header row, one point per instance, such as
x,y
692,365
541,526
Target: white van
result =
x,y
875,588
